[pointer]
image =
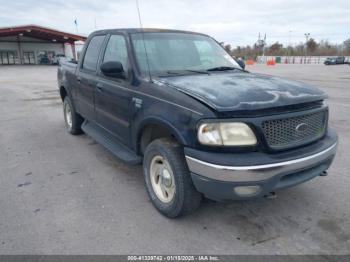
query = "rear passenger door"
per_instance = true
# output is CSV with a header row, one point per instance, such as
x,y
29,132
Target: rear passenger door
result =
x,y
113,95
86,78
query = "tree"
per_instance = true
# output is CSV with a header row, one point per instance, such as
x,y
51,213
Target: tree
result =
x,y
275,49
228,48
311,46
326,48
321,48
347,46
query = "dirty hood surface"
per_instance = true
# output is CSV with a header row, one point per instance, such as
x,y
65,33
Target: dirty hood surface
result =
x,y
228,91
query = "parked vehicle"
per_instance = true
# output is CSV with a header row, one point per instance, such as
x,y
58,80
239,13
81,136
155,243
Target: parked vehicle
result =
x,y
177,102
56,58
44,60
340,60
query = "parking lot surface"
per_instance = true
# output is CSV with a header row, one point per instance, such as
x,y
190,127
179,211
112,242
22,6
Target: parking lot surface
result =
x,y
63,194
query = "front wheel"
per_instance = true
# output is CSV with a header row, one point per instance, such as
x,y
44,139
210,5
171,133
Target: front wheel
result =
x,y
72,119
168,180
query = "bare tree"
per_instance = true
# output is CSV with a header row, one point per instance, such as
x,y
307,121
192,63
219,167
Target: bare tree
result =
x,y
321,48
228,48
347,47
275,49
311,46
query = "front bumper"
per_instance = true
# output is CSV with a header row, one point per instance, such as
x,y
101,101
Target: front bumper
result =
x,y
217,175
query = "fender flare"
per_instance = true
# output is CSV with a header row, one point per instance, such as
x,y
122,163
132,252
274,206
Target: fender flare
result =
x,y
155,120
66,90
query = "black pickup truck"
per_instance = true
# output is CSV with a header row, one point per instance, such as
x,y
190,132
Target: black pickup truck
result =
x,y
200,124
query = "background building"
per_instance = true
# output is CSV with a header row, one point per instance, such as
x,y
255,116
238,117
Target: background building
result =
x,y
32,44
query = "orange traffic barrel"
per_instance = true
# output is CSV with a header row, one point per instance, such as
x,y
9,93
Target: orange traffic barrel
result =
x,y
270,62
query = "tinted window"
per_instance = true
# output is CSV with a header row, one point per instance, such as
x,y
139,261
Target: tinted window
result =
x,y
116,51
91,55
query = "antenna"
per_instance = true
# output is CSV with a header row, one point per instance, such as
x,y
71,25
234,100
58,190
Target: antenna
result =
x,y
143,40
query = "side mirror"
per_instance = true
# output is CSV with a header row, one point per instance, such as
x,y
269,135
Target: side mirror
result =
x,y
241,63
113,69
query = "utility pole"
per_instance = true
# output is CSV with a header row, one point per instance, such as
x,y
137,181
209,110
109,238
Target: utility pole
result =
x,y
264,43
261,45
290,38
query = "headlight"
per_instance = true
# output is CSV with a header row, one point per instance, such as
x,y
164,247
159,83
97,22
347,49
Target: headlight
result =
x,y
226,134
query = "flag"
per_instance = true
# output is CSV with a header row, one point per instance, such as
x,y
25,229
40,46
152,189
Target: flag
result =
x,y
76,22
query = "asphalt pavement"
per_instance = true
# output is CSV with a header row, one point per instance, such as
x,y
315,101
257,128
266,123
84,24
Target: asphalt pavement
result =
x,y
63,194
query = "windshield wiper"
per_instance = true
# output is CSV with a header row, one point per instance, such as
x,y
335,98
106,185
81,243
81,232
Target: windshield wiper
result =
x,y
185,71
169,72
197,71
223,68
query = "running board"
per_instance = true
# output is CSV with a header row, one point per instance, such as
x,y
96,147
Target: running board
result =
x,y
111,143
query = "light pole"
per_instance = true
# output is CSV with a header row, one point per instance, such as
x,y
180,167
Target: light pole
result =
x,y
289,44
307,40
307,35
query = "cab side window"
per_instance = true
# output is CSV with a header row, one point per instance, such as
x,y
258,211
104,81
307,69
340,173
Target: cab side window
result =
x,y
92,53
116,51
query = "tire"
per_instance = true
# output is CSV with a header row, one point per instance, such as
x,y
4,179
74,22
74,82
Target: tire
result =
x,y
73,120
167,155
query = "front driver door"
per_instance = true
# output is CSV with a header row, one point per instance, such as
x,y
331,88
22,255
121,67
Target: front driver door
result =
x,y
112,95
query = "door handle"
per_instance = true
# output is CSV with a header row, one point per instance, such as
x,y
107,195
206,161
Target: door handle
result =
x,y
99,87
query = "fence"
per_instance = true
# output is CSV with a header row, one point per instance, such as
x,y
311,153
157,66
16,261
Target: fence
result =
x,y
296,59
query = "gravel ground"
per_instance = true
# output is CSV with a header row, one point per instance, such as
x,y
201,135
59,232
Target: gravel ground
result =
x,y
61,194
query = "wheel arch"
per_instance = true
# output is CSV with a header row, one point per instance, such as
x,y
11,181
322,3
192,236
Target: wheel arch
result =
x,y
152,128
63,92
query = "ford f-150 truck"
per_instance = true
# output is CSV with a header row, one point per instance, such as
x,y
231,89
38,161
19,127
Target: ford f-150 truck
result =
x,y
202,126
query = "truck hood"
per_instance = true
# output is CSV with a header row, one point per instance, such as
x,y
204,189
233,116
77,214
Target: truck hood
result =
x,y
231,91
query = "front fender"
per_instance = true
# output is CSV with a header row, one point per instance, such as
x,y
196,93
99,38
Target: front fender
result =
x,y
182,135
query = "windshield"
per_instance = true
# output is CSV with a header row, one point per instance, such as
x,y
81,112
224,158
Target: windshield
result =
x,y
172,53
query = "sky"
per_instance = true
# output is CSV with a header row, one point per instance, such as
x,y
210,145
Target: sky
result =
x,y
235,22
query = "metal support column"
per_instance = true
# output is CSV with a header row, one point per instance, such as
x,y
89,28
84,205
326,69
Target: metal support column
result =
x,y
73,51
20,54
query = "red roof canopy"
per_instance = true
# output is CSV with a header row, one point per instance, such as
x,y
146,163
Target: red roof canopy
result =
x,y
42,33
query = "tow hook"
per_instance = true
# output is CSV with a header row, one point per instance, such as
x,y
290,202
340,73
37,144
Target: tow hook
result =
x,y
271,195
324,173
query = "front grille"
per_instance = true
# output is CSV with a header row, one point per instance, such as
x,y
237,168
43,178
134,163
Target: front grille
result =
x,y
294,131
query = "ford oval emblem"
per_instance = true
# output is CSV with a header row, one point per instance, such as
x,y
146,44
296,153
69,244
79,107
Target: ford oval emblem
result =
x,y
301,127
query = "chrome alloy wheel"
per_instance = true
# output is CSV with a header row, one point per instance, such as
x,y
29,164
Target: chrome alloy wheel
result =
x,y
162,179
68,115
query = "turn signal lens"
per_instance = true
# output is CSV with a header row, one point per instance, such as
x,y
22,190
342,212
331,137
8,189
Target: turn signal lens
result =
x,y
209,134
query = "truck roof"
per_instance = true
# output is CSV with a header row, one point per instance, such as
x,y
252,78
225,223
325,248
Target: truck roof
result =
x,y
144,30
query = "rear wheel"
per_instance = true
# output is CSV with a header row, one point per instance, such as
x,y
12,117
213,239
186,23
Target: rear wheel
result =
x,y
168,180
72,119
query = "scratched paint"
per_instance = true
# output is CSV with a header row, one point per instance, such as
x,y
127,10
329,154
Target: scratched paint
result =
x,y
227,91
